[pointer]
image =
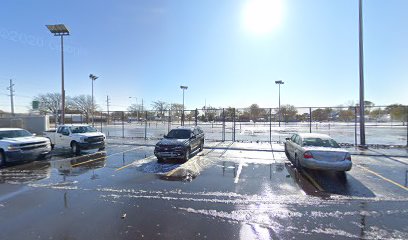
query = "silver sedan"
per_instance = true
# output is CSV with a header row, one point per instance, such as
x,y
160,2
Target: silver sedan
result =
x,y
317,151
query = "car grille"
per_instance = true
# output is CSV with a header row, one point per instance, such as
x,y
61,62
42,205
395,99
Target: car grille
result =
x,y
94,139
31,146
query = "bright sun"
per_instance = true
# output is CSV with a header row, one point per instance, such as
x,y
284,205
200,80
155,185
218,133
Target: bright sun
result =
x,y
262,16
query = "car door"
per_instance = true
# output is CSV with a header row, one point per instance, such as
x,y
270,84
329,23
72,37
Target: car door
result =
x,y
64,137
298,146
291,146
195,140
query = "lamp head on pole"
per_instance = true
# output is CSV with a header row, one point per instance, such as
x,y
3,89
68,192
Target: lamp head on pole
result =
x,y
184,87
93,77
279,82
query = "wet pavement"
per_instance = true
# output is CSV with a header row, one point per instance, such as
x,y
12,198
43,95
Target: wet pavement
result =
x,y
228,191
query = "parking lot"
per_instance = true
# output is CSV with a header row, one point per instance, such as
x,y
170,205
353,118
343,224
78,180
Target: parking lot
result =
x,y
228,191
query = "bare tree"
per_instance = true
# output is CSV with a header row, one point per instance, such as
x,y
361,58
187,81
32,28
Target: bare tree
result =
x,y
49,102
160,107
83,104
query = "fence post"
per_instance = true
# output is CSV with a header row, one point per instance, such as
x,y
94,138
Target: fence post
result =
x,y
310,120
145,137
233,125
196,116
123,124
355,126
270,125
223,125
101,120
169,121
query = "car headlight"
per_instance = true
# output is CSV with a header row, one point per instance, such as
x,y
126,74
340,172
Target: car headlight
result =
x,y
82,139
13,147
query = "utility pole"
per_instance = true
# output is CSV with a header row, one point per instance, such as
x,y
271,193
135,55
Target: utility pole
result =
x,y
107,106
11,96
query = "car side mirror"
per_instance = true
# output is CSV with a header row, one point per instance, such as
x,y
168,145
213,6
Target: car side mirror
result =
x,y
165,136
287,139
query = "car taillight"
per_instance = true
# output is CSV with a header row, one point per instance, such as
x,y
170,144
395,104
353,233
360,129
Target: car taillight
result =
x,y
348,157
307,155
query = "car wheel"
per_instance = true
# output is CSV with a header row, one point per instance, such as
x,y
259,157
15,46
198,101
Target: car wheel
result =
x,y
52,146
342,177
201,146
187,155
2,159
75,148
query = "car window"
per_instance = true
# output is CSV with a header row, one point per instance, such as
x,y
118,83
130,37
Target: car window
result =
x,y
320,142
293,138
59,130
179,134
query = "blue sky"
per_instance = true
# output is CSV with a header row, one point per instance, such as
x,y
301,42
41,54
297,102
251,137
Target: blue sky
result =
x,y
147,49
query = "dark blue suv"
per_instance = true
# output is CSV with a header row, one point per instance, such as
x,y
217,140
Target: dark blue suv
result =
x,y
179,143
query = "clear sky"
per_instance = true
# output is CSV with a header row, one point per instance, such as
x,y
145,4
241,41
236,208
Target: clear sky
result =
x,y
228,52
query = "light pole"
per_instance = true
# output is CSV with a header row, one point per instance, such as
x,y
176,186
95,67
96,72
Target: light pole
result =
x,y
60,30
182,116
280,82
93,78
361,57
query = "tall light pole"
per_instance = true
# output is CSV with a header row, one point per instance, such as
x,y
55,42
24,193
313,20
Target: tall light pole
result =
x,y
362,114
182,116
279,82
60,30
93,78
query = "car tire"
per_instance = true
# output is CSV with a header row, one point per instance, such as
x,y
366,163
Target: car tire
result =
x,y
186,155
201,146
2,159
342,176
75,148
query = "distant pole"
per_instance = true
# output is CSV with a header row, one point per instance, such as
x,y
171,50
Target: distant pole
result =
x,y
11,96
182,116
107,106
93,78
362,117
280,82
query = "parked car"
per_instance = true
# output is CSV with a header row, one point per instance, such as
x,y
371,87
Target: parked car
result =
x,y
18,144
77,137
179,143
317,151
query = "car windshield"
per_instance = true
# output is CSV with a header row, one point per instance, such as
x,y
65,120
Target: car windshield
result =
x,y
179,134
14,134
82,129
320,142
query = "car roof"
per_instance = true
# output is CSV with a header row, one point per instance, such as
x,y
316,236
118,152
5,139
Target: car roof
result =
x,y
75,125
314,135
187,127
10,129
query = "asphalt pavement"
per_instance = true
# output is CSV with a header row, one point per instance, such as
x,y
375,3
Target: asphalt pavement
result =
x,y
228,191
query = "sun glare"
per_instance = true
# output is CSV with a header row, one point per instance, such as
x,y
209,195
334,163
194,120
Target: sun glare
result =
x,y
262,16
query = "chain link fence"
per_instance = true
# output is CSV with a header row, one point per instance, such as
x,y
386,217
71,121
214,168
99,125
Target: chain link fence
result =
x,y
384,125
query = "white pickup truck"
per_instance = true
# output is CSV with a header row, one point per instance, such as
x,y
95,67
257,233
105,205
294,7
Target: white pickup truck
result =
x,y
17,144
77,137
